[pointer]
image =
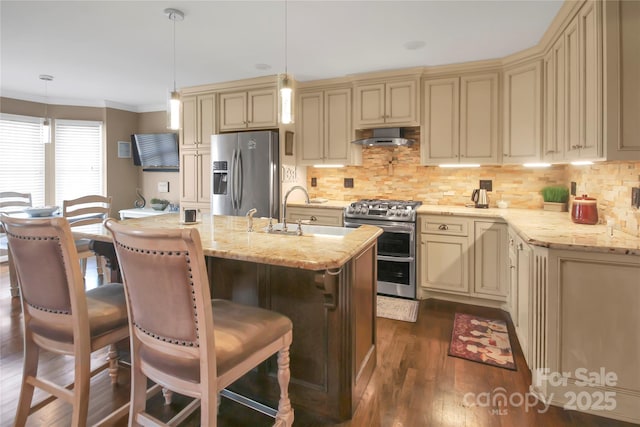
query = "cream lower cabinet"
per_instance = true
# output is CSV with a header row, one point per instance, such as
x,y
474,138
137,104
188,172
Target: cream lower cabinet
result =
x,y
463,259
585,317
324,127
195,179
248,109
460,119
520,269
316,216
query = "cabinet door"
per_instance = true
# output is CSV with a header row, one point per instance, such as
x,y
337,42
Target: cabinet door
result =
x,y
369,105
479,118
189,130
262,110
444,263
591,81
337,125
204,176
572,88
233,111
554,75
522,113
189,176
491,278
207,119
310,126
440,137
523,317
401,105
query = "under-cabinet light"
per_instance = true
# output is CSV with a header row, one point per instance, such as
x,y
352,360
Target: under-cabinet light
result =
x,y
328,166
582,162
459,165
536,165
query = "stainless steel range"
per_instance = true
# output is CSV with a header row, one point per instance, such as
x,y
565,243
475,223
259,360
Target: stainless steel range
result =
x,y
396,244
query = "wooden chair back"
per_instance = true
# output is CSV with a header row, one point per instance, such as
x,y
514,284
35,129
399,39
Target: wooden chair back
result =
x,y
11,201
91,209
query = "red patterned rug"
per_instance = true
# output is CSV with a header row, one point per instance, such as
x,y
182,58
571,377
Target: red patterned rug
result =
x,y
481,340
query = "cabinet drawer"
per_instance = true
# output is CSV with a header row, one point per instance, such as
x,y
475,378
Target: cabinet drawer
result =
x,y
316,216
444,225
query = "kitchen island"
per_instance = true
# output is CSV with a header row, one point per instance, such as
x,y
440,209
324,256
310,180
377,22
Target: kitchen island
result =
x,y
326,284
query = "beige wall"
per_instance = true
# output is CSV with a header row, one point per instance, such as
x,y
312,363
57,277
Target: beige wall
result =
x,y
122,177
156,122
609,182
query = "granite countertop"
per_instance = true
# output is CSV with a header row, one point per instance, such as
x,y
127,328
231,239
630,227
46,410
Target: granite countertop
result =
x,y
548,229
227,237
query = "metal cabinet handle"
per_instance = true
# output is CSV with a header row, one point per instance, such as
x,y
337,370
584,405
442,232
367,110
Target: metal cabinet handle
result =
x,y
313,218
520,246
443,227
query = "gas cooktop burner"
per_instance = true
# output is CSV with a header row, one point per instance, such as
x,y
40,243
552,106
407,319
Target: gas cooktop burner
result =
x,y
388,210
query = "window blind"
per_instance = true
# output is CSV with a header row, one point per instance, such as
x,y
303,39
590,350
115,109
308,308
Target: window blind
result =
x,y
78,159
22,156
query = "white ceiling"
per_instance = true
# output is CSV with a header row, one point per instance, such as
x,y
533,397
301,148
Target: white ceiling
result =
x,y
119,53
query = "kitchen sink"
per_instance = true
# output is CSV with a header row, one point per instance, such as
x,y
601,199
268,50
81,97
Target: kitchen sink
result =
x,y
308,229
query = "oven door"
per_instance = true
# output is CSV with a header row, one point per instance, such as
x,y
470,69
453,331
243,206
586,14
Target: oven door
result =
x,y
396,257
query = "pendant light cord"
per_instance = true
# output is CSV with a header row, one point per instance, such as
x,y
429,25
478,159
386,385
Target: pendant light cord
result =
x,y
285,38
174,53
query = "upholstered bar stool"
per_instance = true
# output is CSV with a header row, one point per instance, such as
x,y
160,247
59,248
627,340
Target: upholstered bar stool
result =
x,y
59,315
180,338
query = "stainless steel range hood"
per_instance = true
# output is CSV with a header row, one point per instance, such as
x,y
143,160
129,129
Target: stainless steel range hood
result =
x,y
386,137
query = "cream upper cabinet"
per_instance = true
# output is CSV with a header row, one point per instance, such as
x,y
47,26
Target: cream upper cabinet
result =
x,y
460,120
393,102
573,87
324,126
198,120
195,177
249,109
522,113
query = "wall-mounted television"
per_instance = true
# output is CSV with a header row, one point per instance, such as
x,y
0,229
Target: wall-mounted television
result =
x,y
156,151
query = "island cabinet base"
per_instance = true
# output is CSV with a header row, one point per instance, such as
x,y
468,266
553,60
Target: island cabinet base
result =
x,y
333,354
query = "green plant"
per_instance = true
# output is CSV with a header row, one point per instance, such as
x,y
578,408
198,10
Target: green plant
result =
x,y
555,194
155,201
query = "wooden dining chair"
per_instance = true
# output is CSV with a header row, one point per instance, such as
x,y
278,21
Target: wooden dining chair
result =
x,y
11,202
180,338
59,315
91,209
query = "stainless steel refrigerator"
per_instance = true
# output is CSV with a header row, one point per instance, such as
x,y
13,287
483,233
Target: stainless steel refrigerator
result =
x,y
245,174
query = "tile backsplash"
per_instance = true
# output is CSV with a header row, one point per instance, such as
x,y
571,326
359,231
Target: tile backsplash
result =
x,y
396,173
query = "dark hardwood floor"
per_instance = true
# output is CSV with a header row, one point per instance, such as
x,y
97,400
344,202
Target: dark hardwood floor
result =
x,y
415,384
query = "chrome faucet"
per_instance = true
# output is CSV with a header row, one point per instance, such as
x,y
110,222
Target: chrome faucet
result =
x,y
250,219
286,196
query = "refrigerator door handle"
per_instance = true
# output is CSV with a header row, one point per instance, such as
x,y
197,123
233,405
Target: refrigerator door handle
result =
x,y
240,179
234,174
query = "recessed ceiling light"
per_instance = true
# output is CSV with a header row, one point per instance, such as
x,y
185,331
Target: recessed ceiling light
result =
x,y
414,44
263,66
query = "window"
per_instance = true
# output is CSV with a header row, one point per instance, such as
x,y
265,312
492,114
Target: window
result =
x,y
22,156
78,159
71,166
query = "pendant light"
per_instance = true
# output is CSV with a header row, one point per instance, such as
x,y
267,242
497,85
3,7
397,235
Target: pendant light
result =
x,y
286,90
173,102
46,124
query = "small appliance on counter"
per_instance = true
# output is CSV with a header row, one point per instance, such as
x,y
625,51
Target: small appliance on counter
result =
x,y
480,198
584,210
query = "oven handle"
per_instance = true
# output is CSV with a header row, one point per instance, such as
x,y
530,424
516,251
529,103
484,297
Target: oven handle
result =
x,y
406,229
395,258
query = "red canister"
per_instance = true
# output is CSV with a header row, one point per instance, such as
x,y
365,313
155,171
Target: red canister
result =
x,y
584,210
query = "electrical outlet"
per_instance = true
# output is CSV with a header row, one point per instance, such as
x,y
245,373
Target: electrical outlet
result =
x,y
348,183
573,188
486,184
314,182
635,197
